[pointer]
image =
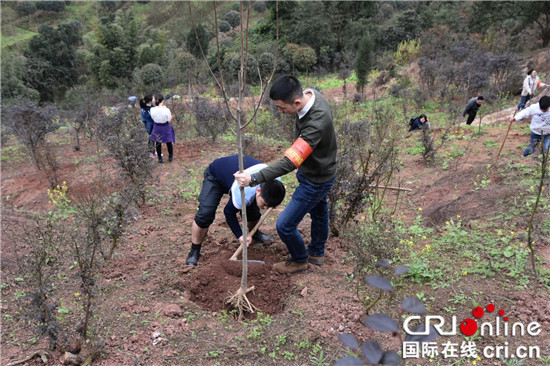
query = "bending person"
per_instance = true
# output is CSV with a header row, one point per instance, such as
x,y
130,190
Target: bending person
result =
x,y
219,180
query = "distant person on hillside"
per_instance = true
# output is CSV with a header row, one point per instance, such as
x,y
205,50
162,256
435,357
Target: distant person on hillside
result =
x,y
146,103
530,85
419,123
162,132
219,180
472,107
540,124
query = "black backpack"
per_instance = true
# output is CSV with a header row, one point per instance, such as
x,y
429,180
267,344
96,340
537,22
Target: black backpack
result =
x,y
411,121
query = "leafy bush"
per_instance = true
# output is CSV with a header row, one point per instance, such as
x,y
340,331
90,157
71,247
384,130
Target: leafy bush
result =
x,y
406,51
304,58
55,6
125,141
31,124
42,241
232,65
266,63
233,18
367,159
224,26
82,105
209,116
198,41
151,75
259,6
26,7
12,86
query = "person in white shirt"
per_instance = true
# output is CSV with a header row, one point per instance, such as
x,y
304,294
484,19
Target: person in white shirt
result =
x,y
162,132
540,124
530,85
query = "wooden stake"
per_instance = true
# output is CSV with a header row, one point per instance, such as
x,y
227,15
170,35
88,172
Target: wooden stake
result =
x,y
505,137
394,188
252,232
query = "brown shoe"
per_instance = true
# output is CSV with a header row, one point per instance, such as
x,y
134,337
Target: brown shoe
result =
x,y
290,267
319,261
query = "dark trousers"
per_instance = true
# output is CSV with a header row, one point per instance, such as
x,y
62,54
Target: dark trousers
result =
x,y
168,145
523,101
209,199
309,198
471,118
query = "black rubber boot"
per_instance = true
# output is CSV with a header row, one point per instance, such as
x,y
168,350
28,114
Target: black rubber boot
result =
x,y
194,255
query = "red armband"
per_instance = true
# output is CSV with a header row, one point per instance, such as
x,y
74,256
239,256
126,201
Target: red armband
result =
x,y
298,152
539,83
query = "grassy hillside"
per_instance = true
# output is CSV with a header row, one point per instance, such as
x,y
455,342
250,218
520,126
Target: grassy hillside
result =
x,y
171,16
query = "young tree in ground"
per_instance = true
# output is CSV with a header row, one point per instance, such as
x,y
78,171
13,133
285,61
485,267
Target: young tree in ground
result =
x,y
31,123
82,104
42,241
186,64
364,61
125,141
304,58
208,115
197,41
239,300
367,161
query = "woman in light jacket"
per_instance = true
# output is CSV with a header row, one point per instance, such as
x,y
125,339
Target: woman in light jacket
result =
x,y
530,84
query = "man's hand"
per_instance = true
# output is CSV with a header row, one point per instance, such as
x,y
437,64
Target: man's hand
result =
x,y
249,241
242,178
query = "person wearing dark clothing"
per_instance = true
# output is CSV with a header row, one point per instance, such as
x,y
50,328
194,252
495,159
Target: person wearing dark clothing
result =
x,y
472,107
146,103
219,180
420,123
313,153
162,132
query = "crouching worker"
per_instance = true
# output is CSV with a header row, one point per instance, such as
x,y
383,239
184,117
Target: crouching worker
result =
x,y
219,180
419,123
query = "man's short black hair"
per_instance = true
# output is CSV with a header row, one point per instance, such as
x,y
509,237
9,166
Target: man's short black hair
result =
x,y
286,88
273,192
480,97
544,102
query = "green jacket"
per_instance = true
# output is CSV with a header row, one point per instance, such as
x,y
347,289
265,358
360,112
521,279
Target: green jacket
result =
x,y
317,129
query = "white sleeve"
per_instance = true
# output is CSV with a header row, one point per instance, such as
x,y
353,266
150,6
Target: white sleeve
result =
x,y
525,112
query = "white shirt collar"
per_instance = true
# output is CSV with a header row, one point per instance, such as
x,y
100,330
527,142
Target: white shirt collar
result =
x,y
307,107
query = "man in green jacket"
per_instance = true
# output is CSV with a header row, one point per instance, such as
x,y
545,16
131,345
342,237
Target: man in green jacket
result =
x,y
313,153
